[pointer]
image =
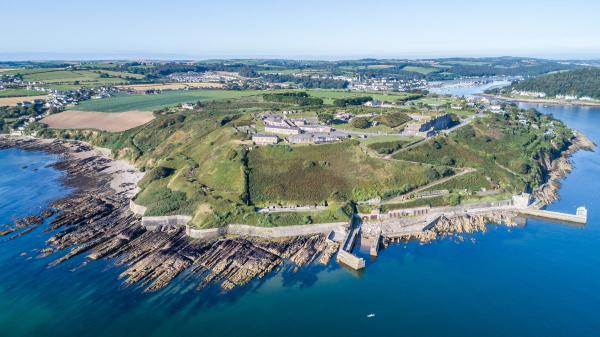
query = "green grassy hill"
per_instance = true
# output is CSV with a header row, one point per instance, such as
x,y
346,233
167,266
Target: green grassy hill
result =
x,y
198,164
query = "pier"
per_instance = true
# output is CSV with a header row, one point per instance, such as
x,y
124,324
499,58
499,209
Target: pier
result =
x,y
579,217
345,255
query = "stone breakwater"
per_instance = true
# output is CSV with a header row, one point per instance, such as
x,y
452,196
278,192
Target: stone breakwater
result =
x,y
95,221
456,225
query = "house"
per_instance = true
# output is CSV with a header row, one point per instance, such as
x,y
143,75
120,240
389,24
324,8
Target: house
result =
x,y
315,128
343,116
496,108
259,139
188,106
422,123
522,200
317,138
278,121
374,103
282,130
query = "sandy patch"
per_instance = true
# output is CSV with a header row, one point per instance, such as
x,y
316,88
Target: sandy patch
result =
x,y
5,69
8,101
172,86
105,121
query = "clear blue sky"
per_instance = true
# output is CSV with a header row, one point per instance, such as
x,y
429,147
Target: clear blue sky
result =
x,y
324,29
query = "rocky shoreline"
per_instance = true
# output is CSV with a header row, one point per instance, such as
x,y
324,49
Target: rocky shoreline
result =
x,y
95,221
559,168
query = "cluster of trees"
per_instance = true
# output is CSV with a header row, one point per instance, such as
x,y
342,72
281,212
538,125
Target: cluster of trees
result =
x,y
412,97
361,122
387,147
342,102
300,98
393,119
10,115
306,81
580,82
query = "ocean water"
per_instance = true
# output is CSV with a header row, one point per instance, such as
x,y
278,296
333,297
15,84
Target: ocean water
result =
x,y
539,280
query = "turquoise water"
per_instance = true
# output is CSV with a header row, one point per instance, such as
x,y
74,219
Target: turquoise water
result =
x,y
540,280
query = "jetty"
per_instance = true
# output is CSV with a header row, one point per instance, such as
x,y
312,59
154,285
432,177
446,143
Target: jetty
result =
x,y
579,217
345,255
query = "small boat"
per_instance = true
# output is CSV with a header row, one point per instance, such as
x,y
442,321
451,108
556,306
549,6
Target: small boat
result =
x,y
370,315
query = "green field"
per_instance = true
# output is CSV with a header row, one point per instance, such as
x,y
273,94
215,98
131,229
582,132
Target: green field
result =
x,y
329,96
420,70
124,102
153,102
313,174
20,92
83,77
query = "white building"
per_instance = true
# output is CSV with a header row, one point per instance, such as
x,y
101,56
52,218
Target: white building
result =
x,y
315,128
522,200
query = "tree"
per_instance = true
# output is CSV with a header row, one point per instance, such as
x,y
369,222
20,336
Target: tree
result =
x,y
454,199
361,123
326,118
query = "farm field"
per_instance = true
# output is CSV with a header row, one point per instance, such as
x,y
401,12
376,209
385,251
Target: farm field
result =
x,y
420,70
83,77
172,86
121,103
18,93
329,96
8,101
111,122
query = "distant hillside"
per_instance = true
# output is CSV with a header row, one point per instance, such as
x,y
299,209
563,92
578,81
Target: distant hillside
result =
x,y
581,82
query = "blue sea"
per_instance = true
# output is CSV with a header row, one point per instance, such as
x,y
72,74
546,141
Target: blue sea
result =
x,y
540,280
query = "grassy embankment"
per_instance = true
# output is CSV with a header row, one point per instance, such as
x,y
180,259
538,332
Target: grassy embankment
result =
x,y
508,156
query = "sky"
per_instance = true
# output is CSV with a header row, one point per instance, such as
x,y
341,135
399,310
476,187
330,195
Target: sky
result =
x,y
307,29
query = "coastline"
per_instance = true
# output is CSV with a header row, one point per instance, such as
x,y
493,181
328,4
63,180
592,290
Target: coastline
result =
x,y
540,100
96,221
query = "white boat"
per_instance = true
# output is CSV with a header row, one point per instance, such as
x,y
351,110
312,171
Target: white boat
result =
x,y
370,315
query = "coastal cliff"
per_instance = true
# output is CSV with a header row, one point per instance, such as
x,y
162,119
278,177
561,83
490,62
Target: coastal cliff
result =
x,y
559,168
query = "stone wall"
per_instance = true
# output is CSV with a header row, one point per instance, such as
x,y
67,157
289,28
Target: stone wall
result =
x,y
157,223
205,234
284,231
263,232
